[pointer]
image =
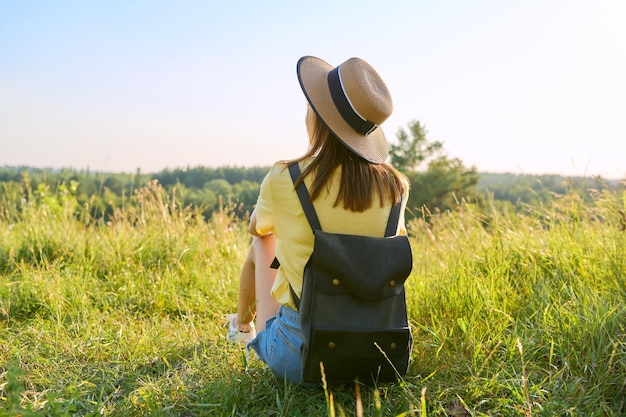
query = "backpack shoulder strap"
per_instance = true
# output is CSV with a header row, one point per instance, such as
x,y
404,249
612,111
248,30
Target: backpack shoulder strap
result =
x,y
309,211
305,200
394,218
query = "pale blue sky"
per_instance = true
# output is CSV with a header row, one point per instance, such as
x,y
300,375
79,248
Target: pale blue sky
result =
x,y
535,86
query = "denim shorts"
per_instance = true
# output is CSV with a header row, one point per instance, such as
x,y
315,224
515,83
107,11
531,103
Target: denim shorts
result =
x,y
280,343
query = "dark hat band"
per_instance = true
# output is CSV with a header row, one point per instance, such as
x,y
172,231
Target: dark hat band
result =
x,y
360,125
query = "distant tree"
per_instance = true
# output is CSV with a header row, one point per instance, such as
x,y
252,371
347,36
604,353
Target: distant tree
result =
x,y
246,194
437,182
114,185
412,151
220,187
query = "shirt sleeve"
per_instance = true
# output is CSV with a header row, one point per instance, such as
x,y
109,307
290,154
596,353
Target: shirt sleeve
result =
x,y
263,210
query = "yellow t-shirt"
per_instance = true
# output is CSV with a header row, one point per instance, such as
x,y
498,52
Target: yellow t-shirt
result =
x,y
279,211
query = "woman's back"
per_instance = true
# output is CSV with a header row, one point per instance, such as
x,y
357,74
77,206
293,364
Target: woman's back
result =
x,y
280,212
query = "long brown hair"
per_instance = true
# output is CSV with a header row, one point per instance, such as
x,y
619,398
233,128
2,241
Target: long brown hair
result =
x,y
361,181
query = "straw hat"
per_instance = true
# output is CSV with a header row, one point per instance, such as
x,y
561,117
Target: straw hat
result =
x,y
352,100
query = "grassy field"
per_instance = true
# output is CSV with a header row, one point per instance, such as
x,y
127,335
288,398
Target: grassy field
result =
x,y
513,315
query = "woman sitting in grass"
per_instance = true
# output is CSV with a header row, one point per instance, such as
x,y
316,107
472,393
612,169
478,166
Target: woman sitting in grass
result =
x,y
352,189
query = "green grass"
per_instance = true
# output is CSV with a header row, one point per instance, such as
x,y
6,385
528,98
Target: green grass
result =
x,y
513,314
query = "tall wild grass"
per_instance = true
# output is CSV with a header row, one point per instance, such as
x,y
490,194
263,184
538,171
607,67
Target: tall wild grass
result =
x,y
513,314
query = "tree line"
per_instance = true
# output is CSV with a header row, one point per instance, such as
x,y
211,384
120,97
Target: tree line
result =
x,y
438,183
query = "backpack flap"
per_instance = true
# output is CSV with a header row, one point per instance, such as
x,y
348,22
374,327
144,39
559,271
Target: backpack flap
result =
x,y
370,268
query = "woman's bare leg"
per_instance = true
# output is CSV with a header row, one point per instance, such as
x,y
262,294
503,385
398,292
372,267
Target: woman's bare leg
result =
x,y
255,284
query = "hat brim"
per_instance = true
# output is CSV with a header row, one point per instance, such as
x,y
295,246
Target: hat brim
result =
x,y
313,78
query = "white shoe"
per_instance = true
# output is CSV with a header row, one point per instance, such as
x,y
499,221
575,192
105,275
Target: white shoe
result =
x,y
236,335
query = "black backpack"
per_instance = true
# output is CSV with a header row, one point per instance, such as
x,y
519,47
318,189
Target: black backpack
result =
x,y
352,307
